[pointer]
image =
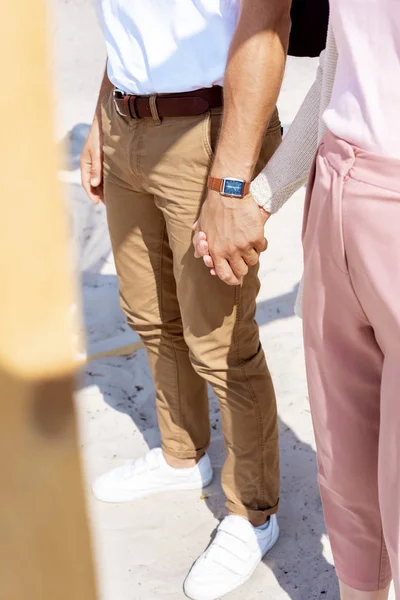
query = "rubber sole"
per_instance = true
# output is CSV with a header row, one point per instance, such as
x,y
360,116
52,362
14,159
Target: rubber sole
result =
x,y
131,497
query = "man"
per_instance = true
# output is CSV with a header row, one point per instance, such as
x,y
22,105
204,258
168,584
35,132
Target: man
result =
x,y
159,112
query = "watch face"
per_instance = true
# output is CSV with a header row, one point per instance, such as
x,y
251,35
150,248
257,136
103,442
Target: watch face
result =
x,y
233,187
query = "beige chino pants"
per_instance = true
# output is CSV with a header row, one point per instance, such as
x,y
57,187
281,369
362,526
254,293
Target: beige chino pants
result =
x,y
195,328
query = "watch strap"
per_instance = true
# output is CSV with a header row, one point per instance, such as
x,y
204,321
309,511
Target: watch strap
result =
x,y
216,184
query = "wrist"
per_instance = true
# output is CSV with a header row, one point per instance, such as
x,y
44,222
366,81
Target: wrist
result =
x,y
230,161
231,169
232,187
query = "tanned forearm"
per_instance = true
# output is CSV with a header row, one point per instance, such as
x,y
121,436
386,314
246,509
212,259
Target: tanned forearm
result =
x,y
231,228
252,83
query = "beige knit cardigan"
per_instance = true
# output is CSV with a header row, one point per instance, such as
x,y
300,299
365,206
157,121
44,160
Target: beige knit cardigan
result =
x,y
289,168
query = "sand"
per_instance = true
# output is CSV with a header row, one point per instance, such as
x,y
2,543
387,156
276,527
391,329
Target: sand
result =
x,y
144,549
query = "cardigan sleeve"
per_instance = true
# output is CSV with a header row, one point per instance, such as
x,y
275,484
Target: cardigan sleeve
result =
x,y
288,169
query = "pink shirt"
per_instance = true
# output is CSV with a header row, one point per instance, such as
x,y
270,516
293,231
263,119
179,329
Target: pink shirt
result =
x,y
365,105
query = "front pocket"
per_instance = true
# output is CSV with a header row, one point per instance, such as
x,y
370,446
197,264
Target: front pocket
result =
x,y
309,190
212,126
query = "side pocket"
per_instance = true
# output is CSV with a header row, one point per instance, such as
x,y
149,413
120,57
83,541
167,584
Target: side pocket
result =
x,y
212,125
271,142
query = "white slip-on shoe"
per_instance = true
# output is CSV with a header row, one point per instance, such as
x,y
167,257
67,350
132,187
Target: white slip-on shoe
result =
x,y
148,475
231,558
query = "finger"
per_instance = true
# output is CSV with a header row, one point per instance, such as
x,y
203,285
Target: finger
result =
x,y
95,194
91,172
96,171
264,214
224,272
195,225
194,242
208,261
239,267
251,257
202,248
261,245
85,179
213,272
85,173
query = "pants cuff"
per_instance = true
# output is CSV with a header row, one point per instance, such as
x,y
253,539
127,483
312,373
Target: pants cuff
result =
x,y
256,517
362,586
185,454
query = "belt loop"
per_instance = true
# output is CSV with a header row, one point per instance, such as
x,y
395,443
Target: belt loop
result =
x,y
153,109
132,107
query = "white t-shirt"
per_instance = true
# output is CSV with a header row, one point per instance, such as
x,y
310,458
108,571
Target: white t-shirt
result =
x,y
160,46
365,104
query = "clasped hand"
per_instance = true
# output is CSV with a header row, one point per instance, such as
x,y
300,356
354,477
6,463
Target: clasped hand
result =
x,y
229,235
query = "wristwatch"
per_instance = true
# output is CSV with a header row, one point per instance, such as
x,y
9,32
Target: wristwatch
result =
x,y
228,186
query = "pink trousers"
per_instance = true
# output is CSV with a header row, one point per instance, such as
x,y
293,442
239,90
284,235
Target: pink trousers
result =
x,y
351,312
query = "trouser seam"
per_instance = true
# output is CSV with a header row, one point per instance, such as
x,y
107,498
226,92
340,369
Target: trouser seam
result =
x,y
383,562
140,143
250,389
165,326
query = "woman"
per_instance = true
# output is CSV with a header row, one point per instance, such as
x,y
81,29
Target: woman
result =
x,y
351,300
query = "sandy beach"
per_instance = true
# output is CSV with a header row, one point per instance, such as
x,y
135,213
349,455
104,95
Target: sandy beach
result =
x,y
144,549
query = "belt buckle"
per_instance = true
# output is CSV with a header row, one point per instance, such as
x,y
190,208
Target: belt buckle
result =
x,y
119,95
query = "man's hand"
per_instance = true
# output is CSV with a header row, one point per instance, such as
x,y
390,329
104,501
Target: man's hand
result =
x,y
91,164
229,235
234,228
92,154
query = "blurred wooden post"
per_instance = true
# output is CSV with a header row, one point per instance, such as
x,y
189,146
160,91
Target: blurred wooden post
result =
x,y
44,540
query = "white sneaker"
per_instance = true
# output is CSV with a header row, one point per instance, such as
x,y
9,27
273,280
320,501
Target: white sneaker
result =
x,y
231,558
148,475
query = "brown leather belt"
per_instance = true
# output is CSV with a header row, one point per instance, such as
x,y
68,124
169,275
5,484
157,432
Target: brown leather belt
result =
x,y
157,106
